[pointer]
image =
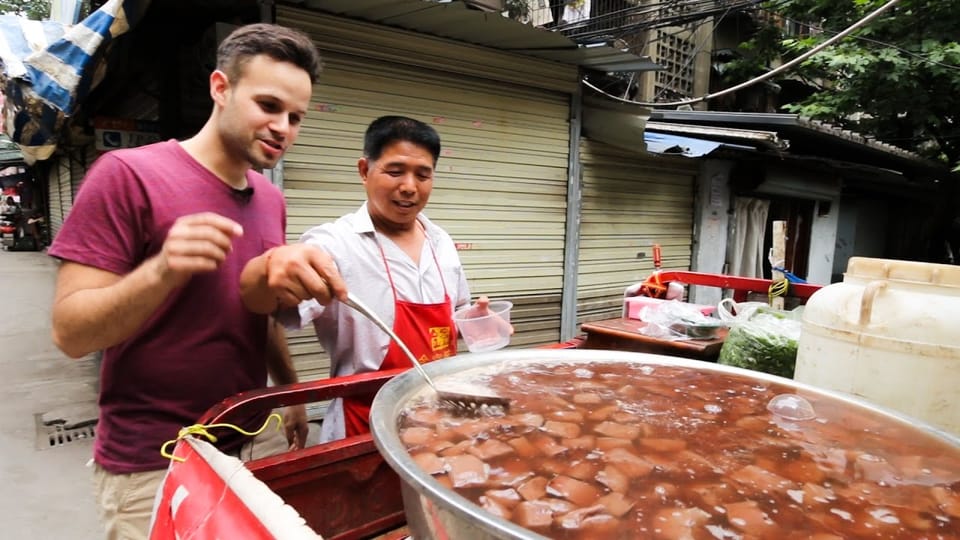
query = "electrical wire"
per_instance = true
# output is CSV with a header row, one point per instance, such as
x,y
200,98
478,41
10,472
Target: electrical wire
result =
x,y
871,40
649,16
659,35
656,36
689,28
640,9
693,56
852,28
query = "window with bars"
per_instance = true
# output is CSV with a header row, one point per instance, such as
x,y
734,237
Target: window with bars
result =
x,y
675,54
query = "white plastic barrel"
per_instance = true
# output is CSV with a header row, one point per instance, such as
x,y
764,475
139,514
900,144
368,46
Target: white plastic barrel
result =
x,y
890,333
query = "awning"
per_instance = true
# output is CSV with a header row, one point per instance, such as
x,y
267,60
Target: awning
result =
x,y
658,143
617,124
760,145
49,68
761,139
454,20
808,137
625,126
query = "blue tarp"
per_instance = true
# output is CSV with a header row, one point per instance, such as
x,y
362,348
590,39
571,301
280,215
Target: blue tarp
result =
x,y
677,145
659,143
49,68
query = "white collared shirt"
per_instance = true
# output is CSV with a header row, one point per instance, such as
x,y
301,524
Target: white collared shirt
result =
x,y
354,343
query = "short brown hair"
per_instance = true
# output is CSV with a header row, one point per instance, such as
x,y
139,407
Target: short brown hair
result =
x,y
278,42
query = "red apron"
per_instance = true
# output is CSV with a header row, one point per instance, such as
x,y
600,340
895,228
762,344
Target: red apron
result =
x,y
427,330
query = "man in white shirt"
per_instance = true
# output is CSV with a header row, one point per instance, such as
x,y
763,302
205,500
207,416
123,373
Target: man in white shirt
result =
x,y
388,254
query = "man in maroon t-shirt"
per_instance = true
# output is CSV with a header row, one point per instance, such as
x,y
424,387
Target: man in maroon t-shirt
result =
x,y
152,253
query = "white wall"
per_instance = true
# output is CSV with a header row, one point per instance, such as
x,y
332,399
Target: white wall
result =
x,y
823,241
711,221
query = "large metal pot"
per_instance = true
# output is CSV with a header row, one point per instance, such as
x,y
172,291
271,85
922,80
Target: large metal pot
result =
x,y
435,512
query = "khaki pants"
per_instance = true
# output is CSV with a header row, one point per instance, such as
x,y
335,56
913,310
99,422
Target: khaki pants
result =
x,y
126,501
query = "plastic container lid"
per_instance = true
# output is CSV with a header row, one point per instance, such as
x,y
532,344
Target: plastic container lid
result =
x,y
943,275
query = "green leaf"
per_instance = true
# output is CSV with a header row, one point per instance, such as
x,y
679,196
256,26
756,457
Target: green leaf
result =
x,y
902,84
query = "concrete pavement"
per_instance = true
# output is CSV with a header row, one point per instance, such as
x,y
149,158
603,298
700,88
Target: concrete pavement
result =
x,y
45,493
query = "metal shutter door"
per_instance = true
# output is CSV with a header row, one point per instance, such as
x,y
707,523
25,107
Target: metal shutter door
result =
x,y
58,182
630,202
501,179
64,179
79,166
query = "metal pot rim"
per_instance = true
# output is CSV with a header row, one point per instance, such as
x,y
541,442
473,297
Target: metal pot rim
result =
x,y
394,396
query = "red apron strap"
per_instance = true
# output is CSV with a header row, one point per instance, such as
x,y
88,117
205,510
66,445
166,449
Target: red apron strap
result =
x,y
426,329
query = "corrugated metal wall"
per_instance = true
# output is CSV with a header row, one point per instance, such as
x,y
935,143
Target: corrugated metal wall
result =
x,y
82,159
66,173
630,202
59,193
501,180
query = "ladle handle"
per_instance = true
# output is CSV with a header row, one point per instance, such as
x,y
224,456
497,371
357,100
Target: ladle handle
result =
x,y
356,304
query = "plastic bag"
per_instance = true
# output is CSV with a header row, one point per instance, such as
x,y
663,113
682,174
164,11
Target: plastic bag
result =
x,y
762,339
731,312
676,320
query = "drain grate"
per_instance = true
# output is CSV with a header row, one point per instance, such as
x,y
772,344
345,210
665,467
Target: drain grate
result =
x,y
59,432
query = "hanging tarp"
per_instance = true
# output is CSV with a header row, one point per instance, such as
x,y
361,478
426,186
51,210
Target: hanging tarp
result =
x,y
49,68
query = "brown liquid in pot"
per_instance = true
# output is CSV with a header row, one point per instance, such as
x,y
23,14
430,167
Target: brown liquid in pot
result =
x,y
616,451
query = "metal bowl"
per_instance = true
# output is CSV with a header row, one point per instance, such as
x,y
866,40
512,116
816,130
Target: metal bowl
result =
x,y
435,512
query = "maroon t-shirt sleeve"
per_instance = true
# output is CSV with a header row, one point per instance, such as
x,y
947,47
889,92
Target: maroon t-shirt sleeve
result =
x,y
104,229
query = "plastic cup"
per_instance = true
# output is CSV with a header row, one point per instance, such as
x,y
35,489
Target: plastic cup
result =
x,y
484,331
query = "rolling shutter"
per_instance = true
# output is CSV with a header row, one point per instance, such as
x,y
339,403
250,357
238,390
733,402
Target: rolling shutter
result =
x,y
65,175
630,202
59,193
85,157
501,181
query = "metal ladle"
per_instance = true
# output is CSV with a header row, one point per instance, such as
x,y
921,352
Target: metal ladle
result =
x,y
459,401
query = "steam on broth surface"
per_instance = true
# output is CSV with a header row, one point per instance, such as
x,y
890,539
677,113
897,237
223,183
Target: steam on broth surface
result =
x,y
618,450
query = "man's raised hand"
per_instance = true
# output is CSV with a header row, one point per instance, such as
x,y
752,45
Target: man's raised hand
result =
x,y
196,243
300,272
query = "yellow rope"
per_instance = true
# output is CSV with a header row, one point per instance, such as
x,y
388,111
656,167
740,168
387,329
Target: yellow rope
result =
x,y
200,429
778,288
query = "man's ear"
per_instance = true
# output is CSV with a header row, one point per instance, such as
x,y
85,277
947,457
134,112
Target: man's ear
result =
x,y
363,167
219,86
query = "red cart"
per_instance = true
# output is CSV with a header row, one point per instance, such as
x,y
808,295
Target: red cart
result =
x,y
344,489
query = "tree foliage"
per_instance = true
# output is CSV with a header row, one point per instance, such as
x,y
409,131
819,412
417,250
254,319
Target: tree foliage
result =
x,y
38,10
31,9
898,78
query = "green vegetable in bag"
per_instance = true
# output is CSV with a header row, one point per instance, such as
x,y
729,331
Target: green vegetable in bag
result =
x,y
766,342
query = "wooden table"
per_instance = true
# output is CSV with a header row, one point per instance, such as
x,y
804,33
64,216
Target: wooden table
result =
x,y
622,334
